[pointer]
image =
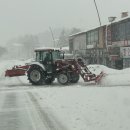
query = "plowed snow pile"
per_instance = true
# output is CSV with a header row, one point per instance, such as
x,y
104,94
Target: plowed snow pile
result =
x,y
112,77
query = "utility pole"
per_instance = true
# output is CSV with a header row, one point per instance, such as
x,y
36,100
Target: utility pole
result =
x,y
97,13
97,50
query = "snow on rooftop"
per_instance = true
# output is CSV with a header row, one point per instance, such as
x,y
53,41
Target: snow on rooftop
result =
x,y
66,48
47,48
77,33
116,21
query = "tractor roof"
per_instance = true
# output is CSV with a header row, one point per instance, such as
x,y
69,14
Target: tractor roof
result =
x,y
47,49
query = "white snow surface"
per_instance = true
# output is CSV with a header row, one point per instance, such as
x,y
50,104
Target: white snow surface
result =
x,y
82,106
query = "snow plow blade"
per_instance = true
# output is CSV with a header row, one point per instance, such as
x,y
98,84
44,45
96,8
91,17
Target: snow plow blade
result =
x,y
16,71
99,77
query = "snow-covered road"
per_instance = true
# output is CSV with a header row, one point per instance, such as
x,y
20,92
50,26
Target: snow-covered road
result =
x,y
76,107
20,109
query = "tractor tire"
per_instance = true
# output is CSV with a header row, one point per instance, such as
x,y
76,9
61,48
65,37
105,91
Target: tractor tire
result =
x,y
74,78
36,75
63,78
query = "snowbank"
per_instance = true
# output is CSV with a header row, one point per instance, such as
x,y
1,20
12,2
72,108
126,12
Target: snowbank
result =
x,y
112,77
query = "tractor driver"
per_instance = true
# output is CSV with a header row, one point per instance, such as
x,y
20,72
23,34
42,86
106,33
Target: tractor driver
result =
x,y
46,59
47,62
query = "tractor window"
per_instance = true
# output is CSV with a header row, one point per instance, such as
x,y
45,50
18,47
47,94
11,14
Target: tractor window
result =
x,y
40,56
56,55
37,56
46,56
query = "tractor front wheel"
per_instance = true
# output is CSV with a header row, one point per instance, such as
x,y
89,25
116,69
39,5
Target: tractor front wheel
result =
x,y
62,78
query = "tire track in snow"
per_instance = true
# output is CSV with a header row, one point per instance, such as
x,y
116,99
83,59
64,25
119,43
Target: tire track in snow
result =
x,y
48,119
10,117
13,113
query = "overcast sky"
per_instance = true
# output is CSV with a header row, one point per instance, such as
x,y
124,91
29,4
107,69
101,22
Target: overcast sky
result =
x,y
19,17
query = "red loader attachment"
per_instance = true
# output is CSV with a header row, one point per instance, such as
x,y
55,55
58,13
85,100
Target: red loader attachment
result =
x,y
86,74
99,77
17,71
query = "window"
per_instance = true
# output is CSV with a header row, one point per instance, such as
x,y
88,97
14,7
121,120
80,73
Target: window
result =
x,y
128,30
92,37
115,32
89,37
122,31
96,35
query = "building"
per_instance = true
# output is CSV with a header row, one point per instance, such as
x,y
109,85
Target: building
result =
x,y
118,41
108,45
90,45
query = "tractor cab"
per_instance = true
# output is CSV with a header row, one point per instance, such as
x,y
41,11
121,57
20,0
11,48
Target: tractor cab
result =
x,y
47,57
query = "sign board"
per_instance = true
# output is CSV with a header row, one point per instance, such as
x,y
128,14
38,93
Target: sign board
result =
x,y
109,38
125,52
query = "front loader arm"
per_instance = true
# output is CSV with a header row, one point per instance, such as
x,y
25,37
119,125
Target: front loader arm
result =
x,y
85,73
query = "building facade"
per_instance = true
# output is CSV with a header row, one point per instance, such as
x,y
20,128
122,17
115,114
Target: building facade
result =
x,y
108,45
118,42
90,45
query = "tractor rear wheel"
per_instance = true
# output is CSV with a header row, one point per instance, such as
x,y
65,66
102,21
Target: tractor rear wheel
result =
x,y
62,78
36,75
